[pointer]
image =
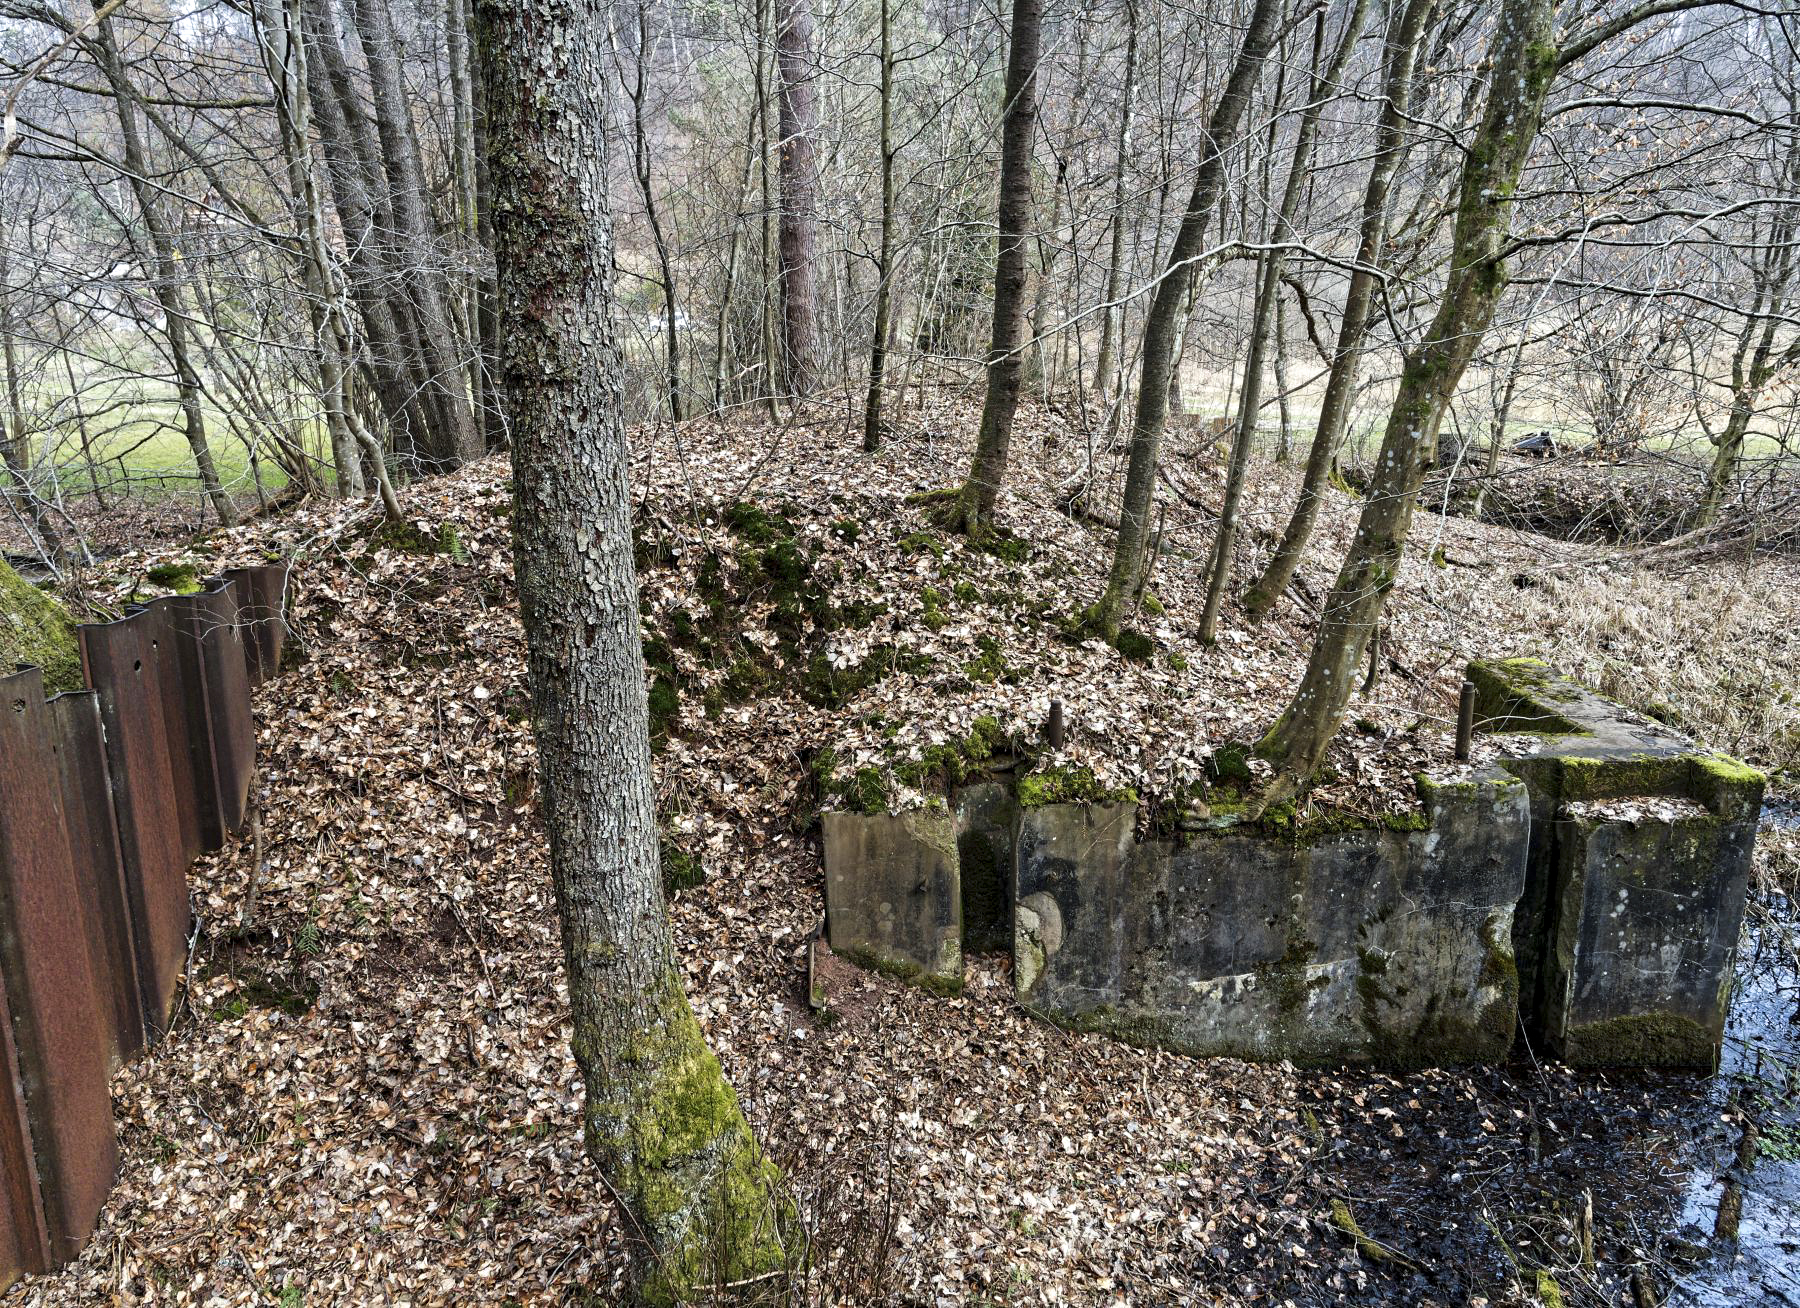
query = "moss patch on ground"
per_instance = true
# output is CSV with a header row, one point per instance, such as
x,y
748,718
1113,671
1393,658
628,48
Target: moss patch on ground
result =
x,y
36,630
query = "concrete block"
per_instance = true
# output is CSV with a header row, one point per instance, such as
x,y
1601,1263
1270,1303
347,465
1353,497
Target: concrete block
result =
x,y
893,896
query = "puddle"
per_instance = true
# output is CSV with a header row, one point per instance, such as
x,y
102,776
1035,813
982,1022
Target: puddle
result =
x,y
1759,1077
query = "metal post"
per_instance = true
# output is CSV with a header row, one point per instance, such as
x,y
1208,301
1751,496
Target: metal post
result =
x,y
1055,730
1465,721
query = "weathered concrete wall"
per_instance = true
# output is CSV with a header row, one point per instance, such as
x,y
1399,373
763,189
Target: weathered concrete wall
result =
x,y
1365,944
893,893
987,816
1590,889
1641,845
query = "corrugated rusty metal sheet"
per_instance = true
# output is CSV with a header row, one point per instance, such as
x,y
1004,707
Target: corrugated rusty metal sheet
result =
x,y
174,664
262,594
22,1236
80,750
228,722
61,1028
121,665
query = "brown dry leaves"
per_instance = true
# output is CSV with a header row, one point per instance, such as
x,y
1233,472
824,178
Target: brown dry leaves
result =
x,y
368,1097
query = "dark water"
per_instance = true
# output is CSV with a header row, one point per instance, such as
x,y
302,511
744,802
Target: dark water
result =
x,y
1759,1077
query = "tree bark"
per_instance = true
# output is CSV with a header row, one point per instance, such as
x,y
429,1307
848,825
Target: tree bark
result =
x,y
884,268
661,1121
1524,66
799,199
1274,265
1163,322
166,277
455,440
973,509
1403,42
640,158
1113,317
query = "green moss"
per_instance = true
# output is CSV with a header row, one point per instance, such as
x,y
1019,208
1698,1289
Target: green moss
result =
x,y
1548,1290
931,601
1641,1040
1002,544
756,525
1230,764
1345,1221
866,791
36,630
990,665
1152,605
847,530
911,973
1178,662
667,1129
1073,785
965,592
680,869
1134,645
1522,694
182,578
922,542
665,707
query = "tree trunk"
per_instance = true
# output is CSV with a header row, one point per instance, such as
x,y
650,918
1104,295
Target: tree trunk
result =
x,y
1524,66
1340,389
455,439
1274,265
390,328
166,279
640,158
884,268
17,442
660,1121
1163,322
799,199
973,509
1112,319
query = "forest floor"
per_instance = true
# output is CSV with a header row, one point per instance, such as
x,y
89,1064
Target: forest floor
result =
x,y
368,1096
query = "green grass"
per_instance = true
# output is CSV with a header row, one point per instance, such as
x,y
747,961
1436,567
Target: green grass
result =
x,y
148,452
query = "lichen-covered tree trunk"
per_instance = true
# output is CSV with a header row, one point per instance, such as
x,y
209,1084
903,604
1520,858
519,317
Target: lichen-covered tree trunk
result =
x,y
1274,264
973,509
1525,62
1403,38
1162,324
799,236
661,1121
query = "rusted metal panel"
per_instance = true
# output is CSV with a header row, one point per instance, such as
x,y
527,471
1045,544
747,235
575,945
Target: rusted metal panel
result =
x,y
61,1028
121,666
22,1235
80,750
226,678
262,599
174,665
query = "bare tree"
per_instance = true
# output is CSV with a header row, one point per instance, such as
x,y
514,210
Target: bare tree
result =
x,y
661,1121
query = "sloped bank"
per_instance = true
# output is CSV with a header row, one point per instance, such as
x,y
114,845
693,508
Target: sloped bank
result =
x,y
1589,889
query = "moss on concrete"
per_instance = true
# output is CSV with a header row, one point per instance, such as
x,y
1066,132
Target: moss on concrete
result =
x,y
911,973
1070,785
1520,694
1641,1040
36,630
